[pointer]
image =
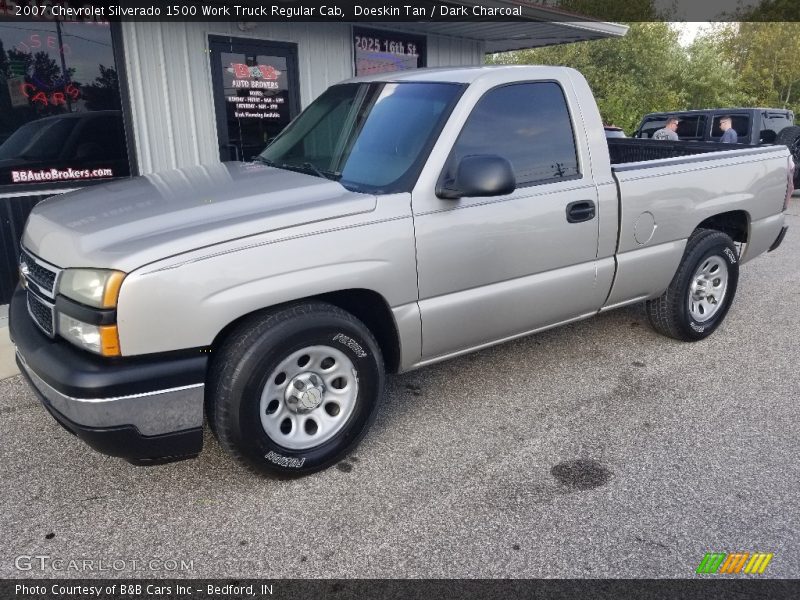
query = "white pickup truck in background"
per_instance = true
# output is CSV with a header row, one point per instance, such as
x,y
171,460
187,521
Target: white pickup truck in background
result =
x,y
400,220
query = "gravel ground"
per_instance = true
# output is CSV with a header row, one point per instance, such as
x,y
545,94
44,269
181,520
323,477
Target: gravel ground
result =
x,y
596,450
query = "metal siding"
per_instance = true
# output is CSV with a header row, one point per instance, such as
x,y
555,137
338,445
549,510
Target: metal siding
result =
x,y
450,51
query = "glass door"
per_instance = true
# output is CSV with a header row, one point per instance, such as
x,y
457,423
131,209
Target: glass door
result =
x,y
256,93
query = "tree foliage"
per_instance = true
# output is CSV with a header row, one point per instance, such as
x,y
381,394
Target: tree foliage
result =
x,y
103,93
709,79
765,59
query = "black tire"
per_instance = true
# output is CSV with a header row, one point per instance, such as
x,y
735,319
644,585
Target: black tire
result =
x,y
670,313
246,361
790,137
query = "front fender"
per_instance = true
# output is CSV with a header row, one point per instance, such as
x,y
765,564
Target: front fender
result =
x,y
186,301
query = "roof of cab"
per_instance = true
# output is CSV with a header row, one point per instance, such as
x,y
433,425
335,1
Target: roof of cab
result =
x,y
701,111
456,74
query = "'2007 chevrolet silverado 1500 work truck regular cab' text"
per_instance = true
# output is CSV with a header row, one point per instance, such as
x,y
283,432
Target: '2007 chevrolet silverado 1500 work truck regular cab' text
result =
x,y
400,220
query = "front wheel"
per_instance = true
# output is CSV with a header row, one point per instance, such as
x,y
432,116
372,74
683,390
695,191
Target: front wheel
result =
x,y
700,294
294,390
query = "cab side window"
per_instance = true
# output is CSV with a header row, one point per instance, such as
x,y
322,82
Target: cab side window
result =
x,y
529,125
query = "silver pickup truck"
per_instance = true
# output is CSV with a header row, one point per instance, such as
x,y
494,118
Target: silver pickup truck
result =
x,y
400,220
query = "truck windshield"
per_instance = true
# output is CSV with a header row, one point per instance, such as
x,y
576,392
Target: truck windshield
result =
x,y
371,137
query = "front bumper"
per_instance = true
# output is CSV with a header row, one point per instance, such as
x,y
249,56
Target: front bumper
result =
x,y
144,409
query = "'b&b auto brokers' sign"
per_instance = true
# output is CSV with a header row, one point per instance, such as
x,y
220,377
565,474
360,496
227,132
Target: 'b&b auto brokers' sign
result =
x,y
257,90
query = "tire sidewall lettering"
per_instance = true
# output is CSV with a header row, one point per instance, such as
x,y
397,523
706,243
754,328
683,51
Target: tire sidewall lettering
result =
x,y
350,343
702,330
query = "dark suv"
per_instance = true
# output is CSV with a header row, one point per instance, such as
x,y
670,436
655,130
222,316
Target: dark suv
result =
x,y
753,126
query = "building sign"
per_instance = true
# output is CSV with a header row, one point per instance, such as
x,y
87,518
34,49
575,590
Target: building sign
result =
x,y
378,51
256,92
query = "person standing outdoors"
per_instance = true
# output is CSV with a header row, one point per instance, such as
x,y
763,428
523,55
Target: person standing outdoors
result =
x,y
729,135
669,131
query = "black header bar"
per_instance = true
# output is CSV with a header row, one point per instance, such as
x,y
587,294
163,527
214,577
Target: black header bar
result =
x,y
416,589
401,10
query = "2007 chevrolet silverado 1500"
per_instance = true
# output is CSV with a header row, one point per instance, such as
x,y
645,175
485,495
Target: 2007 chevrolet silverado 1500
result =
x,y
400,220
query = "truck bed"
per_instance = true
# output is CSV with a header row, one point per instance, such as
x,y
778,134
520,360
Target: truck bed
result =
x,y
633,150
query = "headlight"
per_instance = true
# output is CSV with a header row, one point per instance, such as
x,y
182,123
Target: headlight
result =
x,y
96,287
100,339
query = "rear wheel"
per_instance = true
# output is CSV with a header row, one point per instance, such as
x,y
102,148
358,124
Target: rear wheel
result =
x,y
700,294
294,390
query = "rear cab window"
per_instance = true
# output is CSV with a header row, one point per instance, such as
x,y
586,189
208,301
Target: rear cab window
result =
x,y
772,123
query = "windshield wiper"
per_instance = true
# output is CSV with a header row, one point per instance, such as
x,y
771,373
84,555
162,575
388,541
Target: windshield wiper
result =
x,y
326,174
310,169
307,167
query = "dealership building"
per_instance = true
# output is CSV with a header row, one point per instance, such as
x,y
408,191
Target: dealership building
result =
x,y
86,102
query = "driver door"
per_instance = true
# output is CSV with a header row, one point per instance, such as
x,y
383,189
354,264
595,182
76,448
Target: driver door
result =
x,y
494,268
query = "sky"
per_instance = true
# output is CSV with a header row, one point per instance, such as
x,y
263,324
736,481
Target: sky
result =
x,y
689,31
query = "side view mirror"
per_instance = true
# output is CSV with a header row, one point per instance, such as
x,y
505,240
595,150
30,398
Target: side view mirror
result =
x,y
479,175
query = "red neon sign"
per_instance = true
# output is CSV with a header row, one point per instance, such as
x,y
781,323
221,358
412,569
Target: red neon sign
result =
x,y
34,94
37,41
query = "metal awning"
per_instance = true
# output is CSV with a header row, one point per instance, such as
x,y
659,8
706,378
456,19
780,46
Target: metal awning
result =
x,y
540,27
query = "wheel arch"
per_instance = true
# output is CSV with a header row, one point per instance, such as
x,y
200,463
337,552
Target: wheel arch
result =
x,y
370,307
734,223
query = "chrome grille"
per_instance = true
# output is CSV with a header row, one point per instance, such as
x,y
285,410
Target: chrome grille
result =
x,y
41,279
42,313
40,273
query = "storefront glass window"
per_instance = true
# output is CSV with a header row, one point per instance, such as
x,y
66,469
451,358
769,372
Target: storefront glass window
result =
x,y
60,109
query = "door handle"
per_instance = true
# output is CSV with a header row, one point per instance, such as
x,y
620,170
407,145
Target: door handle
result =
x,y
582,210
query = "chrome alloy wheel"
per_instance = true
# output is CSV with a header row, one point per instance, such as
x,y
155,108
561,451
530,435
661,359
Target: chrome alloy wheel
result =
x,y
707,288
309,397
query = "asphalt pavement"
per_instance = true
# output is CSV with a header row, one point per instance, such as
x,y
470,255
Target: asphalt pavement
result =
x,y
600,449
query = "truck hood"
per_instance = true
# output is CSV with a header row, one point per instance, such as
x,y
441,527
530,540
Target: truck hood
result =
x,y
130,223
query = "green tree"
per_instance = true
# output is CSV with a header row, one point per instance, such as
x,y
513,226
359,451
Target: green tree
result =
x,y
765,58
710,80
103,93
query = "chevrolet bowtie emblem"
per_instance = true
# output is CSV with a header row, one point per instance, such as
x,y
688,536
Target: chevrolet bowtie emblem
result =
x,y
24,271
